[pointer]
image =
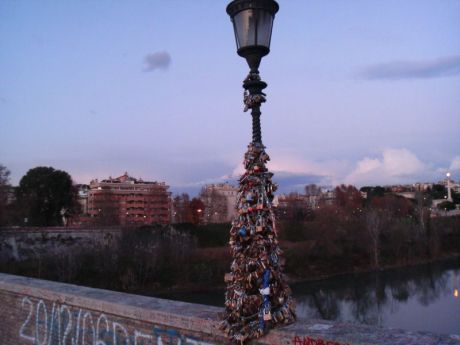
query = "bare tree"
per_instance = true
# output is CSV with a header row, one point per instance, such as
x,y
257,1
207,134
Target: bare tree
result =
x,y
182,212
107,209
215,204
4,190
373,219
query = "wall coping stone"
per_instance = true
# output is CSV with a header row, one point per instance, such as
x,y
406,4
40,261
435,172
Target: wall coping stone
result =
x,y
204,319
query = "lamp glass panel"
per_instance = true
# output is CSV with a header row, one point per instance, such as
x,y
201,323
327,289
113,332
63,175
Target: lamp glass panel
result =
x,y
264,28
245,28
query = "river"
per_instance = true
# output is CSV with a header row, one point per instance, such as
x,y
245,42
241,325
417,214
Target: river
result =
x,y
423,298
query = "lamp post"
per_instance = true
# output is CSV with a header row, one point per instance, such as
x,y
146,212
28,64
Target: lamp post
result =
x,y
257,297
449,193
252,23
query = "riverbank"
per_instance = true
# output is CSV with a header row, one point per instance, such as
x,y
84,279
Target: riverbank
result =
x,y
159,260
293,279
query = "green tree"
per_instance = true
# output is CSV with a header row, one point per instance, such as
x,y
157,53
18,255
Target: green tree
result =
x,y
446,206
376,191
456,197
44,194
438,191
4,190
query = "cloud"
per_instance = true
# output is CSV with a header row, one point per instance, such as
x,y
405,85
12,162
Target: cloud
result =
x,y
441,67
295,163
455,164
292,171
395,166
158,60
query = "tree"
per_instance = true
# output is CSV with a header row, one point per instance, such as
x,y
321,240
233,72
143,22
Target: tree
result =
x,y
371,192
456,197
438,191
374,227
215,204
108,212
294,208
182,211
197,209
44,193
4,190
446,206
395,205
348,199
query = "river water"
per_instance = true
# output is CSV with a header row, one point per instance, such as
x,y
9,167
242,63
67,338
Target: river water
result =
x,y
423,298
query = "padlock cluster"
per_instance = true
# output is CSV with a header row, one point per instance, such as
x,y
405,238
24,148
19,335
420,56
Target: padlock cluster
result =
x,y
257,296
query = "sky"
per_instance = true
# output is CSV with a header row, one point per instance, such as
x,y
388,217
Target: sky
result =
x,y
359,92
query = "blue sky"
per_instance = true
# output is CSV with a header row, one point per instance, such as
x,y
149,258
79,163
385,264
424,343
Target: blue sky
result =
x,y
362,92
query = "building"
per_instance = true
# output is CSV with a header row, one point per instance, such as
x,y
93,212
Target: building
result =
x,y
219,202
126,200
82,197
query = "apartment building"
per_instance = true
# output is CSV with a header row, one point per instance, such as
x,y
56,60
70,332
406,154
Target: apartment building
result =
x,y
126,200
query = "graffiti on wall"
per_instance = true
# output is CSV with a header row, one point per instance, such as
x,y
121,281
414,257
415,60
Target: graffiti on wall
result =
x,y
313,341
60,324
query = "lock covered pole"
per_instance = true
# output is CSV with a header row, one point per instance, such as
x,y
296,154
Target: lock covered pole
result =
x,y
253,99
257,297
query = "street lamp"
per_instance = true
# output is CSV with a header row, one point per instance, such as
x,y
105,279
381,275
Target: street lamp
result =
x,y
257,298
449,193
252,23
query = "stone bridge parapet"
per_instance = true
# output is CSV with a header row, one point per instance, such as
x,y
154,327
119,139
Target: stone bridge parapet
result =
x,y
39,312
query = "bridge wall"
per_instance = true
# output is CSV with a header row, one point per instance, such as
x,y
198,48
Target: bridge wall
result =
x,y
48,313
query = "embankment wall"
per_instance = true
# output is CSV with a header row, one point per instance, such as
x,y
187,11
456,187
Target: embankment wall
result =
x,y
20,244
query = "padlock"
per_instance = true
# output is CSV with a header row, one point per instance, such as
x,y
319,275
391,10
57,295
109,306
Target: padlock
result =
x,y
267,314
249,278
256,275
263,264
259,226
265,291
252,266
264,157
228,277
260,203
